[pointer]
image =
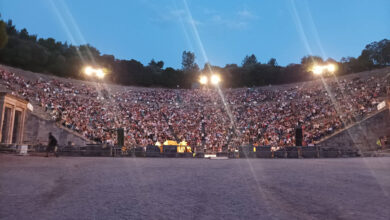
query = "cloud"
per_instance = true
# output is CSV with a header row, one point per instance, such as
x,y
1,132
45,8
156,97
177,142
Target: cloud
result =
x,y
229,23
174,16
245,14
239,21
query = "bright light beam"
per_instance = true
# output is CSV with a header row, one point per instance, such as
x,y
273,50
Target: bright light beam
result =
x,y
100,73
331,68
88,70
215,79
318,70
203,80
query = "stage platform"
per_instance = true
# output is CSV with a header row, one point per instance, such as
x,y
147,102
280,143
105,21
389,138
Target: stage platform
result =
x,y
162,188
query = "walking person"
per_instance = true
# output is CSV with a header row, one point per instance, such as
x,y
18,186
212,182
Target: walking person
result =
x,y
52,145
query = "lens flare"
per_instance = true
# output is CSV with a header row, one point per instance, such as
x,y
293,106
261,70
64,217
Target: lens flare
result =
x,y
88,70
331,68
215,79
203,80
318,70
100,73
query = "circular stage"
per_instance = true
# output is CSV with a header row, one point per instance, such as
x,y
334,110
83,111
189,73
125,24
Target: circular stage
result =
x,y
161,188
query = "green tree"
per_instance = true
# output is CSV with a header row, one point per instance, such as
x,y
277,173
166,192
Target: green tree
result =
x,y
23,34
172,77
272,62
188,62
309,61
156,67
378,52
11,29
249,61
3,34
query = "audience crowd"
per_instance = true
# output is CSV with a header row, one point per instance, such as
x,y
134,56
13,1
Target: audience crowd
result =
x,y
209,118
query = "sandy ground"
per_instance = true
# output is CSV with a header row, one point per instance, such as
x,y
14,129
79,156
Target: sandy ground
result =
x,y
160,188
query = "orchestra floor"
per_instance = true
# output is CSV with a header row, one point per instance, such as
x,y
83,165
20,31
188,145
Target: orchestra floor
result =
x,y
33,187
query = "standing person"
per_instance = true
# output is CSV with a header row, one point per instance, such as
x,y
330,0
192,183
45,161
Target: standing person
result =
x,y
52,145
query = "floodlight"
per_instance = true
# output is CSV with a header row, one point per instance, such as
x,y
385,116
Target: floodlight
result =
x,y
318,70
203,80
215,79
100,73
331,68
88,70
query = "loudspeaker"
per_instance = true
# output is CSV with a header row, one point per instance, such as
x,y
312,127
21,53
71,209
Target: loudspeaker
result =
x,y
120,137
298,136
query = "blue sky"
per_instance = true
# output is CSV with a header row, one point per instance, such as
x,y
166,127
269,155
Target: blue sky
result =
x,y
220,31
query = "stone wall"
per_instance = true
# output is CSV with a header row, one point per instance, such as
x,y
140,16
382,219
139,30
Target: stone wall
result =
x,y
362,135
37,130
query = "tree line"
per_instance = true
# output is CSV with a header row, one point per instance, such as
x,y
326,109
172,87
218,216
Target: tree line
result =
x,y
20,49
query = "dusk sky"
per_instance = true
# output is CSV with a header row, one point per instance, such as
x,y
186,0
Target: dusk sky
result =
x,y
219,31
